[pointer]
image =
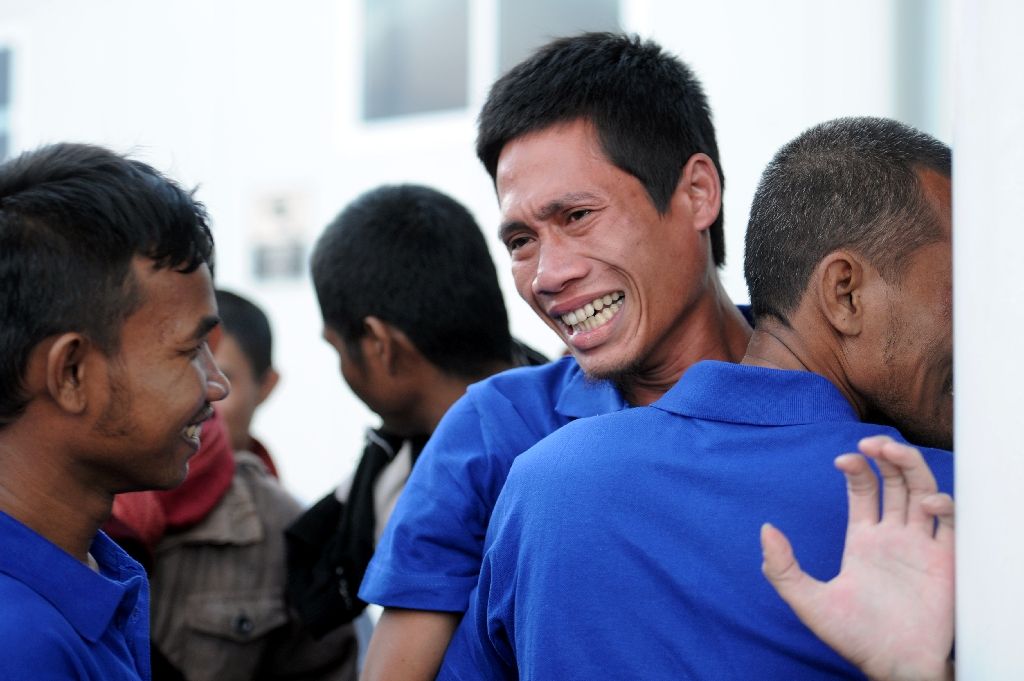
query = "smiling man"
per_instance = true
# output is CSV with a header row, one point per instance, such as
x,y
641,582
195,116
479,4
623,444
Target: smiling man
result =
x,y
106,304
606,168
625,546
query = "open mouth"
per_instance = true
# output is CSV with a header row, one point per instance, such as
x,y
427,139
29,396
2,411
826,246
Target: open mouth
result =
x,y
594,314
193,431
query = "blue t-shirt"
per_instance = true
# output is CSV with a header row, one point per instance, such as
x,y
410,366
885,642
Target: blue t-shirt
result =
x,y
429,556
59,620
627,546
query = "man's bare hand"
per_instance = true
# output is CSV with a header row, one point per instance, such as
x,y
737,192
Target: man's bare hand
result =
x,y
890,609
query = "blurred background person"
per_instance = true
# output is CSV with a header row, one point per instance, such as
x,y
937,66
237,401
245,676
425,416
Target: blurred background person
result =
x,y
244,355
412,306
218,582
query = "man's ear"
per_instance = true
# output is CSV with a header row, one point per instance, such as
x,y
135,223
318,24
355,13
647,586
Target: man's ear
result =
x,y
701,187
840,280
267,384
387,345
66,373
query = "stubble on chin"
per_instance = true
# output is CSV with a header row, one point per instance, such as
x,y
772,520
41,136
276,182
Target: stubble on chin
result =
x,y
623,377
114,422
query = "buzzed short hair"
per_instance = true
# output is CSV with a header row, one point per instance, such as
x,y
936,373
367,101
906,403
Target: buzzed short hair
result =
x,y
848,183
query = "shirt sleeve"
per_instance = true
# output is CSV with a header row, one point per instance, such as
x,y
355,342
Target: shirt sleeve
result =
x,y
483,646
429,556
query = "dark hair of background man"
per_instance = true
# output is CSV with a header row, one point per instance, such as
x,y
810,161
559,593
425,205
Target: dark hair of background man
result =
x,y
416,259
250,328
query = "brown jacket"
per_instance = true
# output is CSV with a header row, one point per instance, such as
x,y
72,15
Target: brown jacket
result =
x,y
218,605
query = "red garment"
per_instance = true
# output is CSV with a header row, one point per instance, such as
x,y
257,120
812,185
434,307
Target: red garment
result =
x,y
257,448
138,515
139,520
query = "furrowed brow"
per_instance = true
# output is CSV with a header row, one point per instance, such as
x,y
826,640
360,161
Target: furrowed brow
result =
x,y
547,211
553,208
508,228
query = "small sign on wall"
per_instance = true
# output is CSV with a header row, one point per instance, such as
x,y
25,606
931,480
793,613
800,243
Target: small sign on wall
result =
x,y
277,229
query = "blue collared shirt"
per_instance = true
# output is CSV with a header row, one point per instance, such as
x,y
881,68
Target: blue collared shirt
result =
x,y
626,546
429,556
60,620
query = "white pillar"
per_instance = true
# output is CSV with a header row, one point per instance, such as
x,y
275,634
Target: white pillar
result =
x,y
988,242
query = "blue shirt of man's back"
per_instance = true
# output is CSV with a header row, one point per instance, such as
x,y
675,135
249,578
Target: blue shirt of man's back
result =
x,y
626,546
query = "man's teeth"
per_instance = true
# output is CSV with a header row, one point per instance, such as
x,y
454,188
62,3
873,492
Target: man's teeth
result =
x,y
593,314
193,431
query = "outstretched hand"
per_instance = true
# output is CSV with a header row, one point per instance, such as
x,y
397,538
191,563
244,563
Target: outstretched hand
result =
x,y
890,609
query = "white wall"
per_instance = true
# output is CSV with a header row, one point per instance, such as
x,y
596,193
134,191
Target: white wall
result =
x,y
251,98
988,203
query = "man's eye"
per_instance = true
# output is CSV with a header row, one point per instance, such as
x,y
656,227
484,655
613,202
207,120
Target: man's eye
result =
x,y
516,243
194,351
577,215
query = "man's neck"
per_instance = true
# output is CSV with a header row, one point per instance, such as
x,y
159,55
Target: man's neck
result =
x,y
38,491
777,346
714,329
441,391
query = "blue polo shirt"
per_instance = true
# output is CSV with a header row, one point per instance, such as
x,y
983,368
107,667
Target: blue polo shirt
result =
x,y
626,546
429,555
59,620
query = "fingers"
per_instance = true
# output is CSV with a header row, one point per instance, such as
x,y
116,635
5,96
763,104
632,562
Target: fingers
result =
x,y
894,487
779,562
861,489
781,568
906,481
941,507
918,478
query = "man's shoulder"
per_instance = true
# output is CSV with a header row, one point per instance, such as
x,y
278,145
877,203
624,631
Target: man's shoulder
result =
x,y
508,411
591,449
19,597
550,394
530,383
28,617
39,644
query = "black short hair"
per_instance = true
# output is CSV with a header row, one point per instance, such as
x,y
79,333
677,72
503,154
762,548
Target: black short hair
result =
x,y
244,321
72,217
414,258
848,183
649,110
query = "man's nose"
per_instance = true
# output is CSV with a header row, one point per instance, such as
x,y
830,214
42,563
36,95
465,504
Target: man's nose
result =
x,y
558,265
217,384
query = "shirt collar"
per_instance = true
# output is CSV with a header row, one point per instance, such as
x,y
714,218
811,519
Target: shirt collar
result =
x,y
87,600
736,393
582,397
